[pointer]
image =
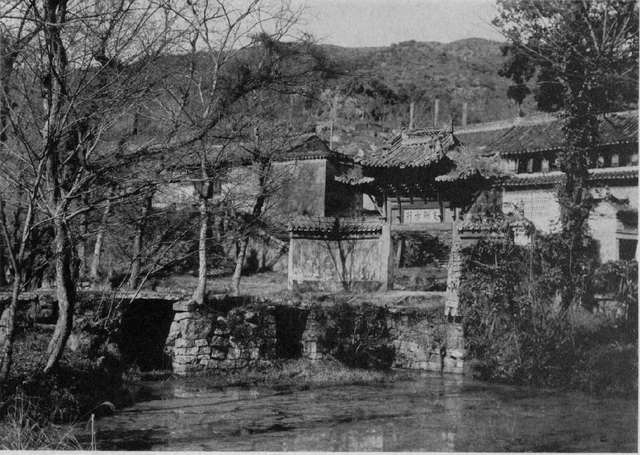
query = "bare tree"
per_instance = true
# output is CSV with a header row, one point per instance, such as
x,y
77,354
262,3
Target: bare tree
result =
x,y
97,88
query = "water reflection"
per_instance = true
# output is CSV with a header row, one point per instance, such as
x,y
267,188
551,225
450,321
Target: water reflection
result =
x,y
430,413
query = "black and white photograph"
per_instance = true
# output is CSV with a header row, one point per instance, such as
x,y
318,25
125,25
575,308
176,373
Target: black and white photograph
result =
x,y
319,225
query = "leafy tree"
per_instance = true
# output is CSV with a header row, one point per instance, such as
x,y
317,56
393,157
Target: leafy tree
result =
x,y
582,59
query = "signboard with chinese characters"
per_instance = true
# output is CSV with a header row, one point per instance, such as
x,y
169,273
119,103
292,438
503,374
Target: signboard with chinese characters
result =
x,y
412,216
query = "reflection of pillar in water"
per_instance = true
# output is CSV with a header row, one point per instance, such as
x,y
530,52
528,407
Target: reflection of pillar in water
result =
x,y
448,441
453,406
363,440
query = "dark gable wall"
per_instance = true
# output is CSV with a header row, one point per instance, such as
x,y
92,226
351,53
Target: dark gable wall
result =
x,y
302,188
308,188
341,200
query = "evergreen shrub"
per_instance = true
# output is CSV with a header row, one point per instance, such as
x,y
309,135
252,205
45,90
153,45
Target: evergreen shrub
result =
x,y
517,330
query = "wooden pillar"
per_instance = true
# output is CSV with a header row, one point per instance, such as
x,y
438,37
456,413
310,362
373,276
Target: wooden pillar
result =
x,y
441,207
290,268
386,258
411,114
454,270
387,208
400,221
464,114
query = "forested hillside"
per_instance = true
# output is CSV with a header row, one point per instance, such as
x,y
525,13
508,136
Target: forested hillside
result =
x,y
373,96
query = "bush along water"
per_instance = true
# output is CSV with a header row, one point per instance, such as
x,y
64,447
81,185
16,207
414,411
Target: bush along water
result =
x,y
517,331
357,335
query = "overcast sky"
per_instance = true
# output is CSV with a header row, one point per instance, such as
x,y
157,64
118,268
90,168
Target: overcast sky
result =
x,y
356,23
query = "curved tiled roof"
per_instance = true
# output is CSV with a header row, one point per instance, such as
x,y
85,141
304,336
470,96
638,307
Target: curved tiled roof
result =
x,y
546,134
353,180
308,147
277,149
549,178
412,149
333,225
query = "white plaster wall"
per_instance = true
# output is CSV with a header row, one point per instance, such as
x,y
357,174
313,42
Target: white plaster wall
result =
x,y
540,207
619,192
602,226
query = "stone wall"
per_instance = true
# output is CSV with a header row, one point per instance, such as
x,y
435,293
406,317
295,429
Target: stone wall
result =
x,y
246,333
203,338
425,344
340,255
421,340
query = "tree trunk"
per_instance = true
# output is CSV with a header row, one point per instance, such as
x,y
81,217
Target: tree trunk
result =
x,y
263,171
237,273
3,263
262,256
97,248
82,247
134,277
7,330
136,262
201,289
65,292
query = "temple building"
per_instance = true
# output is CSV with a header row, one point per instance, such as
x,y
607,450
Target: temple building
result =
x,y
528,151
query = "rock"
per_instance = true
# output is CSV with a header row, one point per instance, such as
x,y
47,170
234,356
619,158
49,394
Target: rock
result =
x,y
217,354
179,316
184,306
195,328
46,309
219,341
183,359
113,350
182,343
80,342
457,353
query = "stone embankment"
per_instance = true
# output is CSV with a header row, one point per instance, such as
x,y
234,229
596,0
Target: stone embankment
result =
x,y
212,337
201,338
160,330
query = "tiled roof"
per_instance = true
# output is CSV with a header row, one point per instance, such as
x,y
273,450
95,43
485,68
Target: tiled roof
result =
x,y
353,180
308,147
546,134
470,163
321,225
549,178
412,149
481,138
278,149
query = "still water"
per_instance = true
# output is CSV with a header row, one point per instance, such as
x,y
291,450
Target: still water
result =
x,y
431,412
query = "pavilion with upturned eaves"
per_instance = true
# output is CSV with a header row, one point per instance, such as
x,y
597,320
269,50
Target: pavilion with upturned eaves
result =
x,y
429,169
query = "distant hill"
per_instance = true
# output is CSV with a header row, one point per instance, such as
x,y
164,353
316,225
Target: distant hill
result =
x,y
381,82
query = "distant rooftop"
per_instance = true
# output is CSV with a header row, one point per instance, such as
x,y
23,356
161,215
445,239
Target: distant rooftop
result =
x,y
549,178
543,133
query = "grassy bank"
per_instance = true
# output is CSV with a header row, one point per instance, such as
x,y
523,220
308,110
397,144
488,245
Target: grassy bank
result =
x,y
303,373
